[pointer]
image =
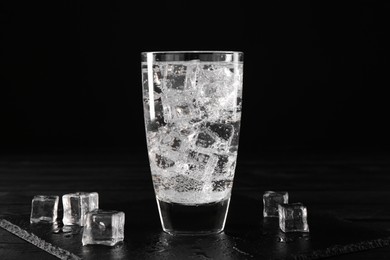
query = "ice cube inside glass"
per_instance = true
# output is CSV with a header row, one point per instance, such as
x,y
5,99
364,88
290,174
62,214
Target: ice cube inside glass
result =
x,y
76,205
104,227
293,217
44,208
271,201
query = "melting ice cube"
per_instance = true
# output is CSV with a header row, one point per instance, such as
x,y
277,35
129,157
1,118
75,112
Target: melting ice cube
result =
x,y
163,162
205,140
172,141
223,131
271,200
179,108
44,209
175,77
225,166
293,217
104,227
76,205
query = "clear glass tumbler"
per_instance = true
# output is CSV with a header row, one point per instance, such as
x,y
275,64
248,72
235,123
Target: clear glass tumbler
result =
x,y
192,107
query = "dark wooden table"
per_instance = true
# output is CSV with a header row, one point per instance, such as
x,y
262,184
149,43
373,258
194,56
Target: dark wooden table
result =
x,y
347,196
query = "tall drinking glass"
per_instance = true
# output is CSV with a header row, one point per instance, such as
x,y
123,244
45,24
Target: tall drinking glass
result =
x,y
192,108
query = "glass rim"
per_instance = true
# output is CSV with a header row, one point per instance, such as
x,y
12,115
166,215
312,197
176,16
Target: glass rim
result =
x,y
192,51
186,56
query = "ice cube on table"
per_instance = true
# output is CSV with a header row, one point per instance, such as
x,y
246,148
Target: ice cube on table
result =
x,y
271,200
76,205
44,208
293,217
104,227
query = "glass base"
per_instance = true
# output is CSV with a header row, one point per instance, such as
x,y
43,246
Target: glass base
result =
x,y
193,220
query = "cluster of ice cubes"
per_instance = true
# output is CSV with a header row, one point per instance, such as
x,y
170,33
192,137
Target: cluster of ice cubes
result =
x,y
105,227
192,123
292,216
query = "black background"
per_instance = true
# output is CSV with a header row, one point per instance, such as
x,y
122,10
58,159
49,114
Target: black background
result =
x,y
316,72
